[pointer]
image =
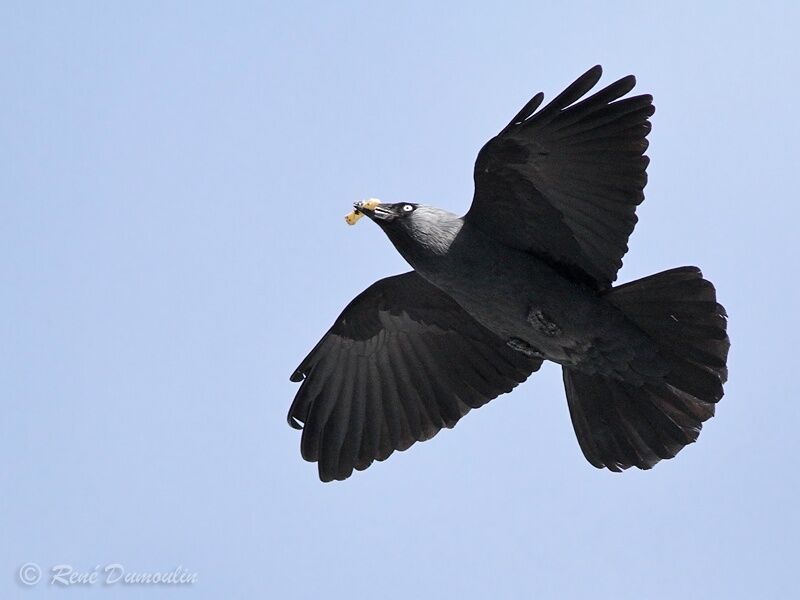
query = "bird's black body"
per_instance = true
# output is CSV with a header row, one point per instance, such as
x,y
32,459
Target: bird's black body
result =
x,y
528,302
526,275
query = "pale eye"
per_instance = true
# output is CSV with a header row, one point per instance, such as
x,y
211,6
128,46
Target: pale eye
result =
x,y
407,208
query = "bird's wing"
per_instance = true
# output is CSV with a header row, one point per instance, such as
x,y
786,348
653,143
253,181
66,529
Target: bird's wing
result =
x,y
402,361
564,182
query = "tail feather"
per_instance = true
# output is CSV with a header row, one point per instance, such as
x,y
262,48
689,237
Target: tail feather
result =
x,y
679,309
619,424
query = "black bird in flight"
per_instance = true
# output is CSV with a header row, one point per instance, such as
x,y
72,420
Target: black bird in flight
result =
x,y
525,276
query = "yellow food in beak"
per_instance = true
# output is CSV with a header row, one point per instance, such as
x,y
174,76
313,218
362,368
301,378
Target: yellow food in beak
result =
x,y
353,217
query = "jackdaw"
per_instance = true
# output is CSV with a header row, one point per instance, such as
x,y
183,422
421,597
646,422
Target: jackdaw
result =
x,y
525,276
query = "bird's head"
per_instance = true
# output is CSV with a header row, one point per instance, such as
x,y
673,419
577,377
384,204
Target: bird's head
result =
x,y
416,230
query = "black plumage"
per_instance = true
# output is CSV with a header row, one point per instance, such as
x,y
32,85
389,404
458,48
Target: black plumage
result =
x,y
525,275
564,183
401,362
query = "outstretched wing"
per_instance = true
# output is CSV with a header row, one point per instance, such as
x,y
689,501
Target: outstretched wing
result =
x,y
402,361
564,182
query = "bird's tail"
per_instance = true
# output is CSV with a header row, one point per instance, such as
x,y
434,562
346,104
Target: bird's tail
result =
x,y
620,425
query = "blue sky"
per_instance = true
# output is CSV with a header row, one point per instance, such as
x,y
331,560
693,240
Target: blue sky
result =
x,y
173,178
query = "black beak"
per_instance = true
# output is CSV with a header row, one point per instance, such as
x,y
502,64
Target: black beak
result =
x,y
377,213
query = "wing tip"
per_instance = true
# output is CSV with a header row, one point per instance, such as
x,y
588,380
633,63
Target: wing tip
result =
x,y
591,77
596,70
